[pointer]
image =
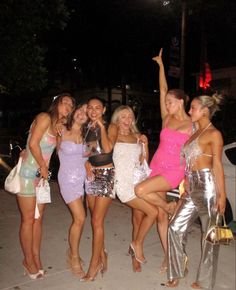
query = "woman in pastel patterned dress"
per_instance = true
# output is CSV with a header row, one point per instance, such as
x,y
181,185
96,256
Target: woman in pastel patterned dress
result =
x,y
71,177
167,170
127,154
100,182
40,145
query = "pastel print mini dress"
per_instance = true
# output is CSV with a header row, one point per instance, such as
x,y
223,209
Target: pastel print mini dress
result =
x,y
30,166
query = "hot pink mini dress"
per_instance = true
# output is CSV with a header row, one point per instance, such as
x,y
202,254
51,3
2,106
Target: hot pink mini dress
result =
x,y
166,160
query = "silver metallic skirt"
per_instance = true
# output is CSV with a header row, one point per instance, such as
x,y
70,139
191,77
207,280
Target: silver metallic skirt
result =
x,y
198,201
102,183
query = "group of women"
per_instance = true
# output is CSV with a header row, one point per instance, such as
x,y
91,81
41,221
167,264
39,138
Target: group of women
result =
x,y
101,158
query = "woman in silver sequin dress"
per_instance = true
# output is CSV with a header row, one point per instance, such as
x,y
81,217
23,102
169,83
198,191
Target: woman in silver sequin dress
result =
x,y
100,181
204,196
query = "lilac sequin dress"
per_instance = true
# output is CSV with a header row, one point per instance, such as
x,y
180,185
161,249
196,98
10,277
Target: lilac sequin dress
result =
x,y
72,172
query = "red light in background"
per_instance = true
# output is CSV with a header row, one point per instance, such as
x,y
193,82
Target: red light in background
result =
x,y
205,77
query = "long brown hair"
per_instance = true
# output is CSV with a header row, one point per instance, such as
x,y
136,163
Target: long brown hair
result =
x,y
53,109
70,120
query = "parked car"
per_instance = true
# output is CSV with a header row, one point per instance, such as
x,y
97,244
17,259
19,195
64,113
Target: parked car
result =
x,y
229,164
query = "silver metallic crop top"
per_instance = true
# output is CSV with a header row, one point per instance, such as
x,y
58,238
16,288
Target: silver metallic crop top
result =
x,y
192,151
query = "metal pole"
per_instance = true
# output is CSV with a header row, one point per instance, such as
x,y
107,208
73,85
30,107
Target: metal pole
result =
x,y
183,40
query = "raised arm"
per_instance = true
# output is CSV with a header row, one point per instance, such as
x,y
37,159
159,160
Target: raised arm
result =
x,y
39,127
162,84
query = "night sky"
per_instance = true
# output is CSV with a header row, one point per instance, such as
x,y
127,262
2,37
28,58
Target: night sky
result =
x,y
111,39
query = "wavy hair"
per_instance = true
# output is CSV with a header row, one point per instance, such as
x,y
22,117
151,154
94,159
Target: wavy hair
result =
x,y
53,109
116,115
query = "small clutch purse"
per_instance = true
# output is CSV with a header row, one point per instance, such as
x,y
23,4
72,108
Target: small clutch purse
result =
x,y
218,234
141,170
43,191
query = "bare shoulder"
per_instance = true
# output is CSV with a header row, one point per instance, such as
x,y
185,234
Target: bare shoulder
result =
x,y
213,136
43,117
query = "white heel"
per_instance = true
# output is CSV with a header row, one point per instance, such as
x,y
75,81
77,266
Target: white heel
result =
x,y
32,276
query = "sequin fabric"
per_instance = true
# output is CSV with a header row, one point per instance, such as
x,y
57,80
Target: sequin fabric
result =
x,y
71,174
102,184
125,157
166,160
30,166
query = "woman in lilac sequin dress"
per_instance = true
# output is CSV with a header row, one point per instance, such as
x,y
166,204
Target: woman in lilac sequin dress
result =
x,y
71,178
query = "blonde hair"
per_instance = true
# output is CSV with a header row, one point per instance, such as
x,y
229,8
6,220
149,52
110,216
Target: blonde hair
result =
x,y
210,102
116,115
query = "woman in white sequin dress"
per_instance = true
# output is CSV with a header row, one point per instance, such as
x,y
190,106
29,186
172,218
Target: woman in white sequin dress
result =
x,y
127,153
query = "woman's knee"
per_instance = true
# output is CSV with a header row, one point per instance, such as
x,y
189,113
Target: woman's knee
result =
x,y
97,223
28,218
139,190
153,213
79,221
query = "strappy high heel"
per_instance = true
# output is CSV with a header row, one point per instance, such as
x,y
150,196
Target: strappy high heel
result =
x,y
163,268
33,276
172,283
74,263
90,278
136,265
42,272
133,254
105,262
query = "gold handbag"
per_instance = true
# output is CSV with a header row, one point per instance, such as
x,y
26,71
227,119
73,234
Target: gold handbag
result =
x,y
218,234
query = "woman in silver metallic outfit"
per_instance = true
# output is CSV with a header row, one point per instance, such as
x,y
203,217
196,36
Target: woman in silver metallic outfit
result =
x,y
204,195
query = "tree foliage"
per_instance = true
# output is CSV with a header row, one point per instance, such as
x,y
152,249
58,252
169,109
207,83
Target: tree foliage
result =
x,y
22,22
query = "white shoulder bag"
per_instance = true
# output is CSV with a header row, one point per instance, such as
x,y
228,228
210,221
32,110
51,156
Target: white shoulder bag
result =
x,y
12,182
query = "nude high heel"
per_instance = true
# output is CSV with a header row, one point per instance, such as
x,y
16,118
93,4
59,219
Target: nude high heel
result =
x,y
105,262
74,263
133,254
90,278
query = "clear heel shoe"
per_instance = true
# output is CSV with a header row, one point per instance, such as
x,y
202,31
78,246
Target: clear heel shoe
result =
x,y
75,264
133,254
89,278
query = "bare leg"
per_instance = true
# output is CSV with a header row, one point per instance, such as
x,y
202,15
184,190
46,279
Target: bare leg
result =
x,y
137,217
98,215
148,220
104,254
148,191
162,228
37,236
27,208
78,216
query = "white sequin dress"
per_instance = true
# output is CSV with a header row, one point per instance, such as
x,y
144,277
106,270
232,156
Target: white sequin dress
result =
x,y
125,156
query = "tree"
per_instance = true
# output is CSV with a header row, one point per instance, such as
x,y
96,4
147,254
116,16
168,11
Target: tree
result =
x,y
22,24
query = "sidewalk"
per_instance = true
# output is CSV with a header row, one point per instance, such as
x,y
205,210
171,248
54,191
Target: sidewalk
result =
x,y
118,236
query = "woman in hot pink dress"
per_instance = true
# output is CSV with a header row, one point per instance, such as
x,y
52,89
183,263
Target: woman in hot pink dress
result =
x,y
167,168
